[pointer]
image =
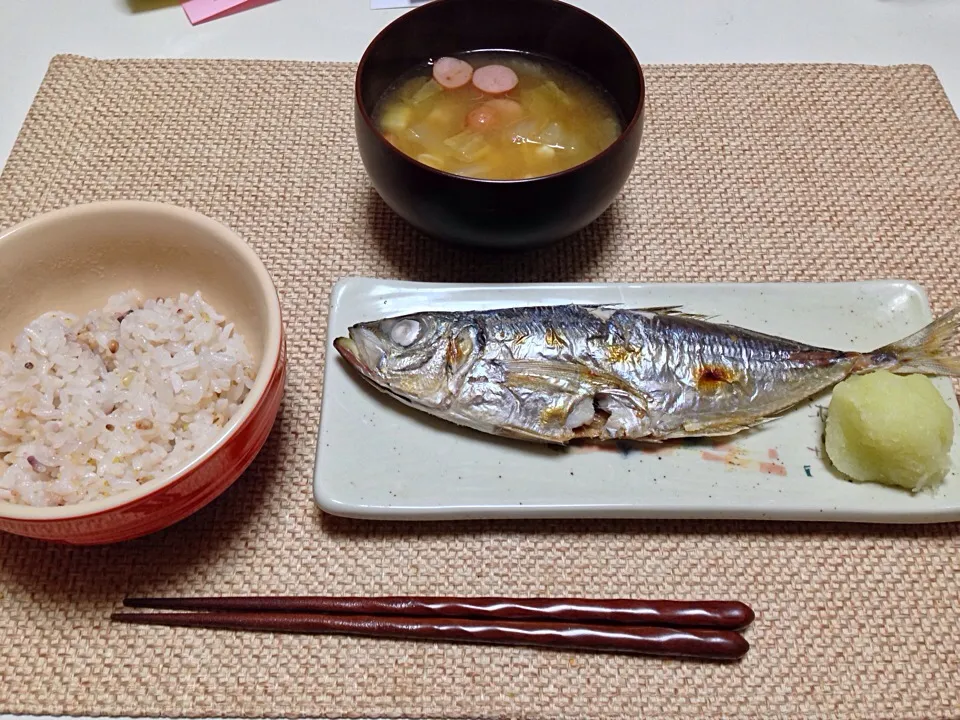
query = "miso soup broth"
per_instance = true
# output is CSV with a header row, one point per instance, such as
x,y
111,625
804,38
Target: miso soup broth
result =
x,y
497,115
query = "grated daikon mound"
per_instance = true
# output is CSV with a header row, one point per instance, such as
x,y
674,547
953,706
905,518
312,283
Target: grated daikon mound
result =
x,y
890,429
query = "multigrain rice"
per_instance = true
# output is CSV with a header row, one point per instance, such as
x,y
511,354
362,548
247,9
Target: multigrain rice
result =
x,y
97,405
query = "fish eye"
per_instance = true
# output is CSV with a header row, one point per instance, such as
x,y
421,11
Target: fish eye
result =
x,y
405,332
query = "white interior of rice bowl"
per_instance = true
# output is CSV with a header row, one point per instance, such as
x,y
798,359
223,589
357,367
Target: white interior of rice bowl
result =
x,y
95,283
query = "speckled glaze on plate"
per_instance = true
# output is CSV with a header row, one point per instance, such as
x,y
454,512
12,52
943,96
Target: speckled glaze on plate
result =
x,y
378,459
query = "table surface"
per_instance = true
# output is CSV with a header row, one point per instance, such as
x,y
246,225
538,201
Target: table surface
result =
x,y
660,31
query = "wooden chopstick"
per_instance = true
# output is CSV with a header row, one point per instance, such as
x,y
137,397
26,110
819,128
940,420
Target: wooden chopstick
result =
x,y
716,614
644,640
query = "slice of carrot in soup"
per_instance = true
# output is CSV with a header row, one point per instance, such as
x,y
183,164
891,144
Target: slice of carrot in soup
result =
x,y
452,73
482,118
494,113
508,110
495,79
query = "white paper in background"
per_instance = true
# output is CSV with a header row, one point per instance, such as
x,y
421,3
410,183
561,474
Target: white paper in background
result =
x,y
388,4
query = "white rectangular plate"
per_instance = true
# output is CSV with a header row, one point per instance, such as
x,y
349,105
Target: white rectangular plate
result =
x,y
378,459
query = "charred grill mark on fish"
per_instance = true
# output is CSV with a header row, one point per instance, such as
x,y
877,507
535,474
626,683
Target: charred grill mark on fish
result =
x,y
712,377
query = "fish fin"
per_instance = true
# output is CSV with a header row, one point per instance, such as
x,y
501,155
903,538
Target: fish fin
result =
x,y
572,374
673,310
543,373
706,430
519,433
924,352
612,396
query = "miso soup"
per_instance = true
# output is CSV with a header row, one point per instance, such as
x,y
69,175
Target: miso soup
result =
x,y
498,115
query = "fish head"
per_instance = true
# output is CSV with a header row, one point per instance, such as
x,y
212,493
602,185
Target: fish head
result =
x,y
420,358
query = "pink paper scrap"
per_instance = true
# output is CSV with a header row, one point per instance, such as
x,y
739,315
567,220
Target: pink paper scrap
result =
x,y
201,10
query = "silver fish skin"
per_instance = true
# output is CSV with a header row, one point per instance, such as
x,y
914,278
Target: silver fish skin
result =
x,y
560,373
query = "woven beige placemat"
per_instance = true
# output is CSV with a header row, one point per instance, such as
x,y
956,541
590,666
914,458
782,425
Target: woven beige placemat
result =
x,y
746,173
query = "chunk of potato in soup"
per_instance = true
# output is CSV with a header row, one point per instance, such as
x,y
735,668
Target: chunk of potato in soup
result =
x,y
520,116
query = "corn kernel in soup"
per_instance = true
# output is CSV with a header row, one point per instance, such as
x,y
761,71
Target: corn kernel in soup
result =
x,y
497,116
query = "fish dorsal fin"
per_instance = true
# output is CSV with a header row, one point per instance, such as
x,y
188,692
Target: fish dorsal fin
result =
x,y
675,311
670,310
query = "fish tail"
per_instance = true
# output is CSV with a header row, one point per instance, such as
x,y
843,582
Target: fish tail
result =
x,y
924,352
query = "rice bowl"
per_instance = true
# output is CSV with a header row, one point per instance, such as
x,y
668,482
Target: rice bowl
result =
x,y
78,481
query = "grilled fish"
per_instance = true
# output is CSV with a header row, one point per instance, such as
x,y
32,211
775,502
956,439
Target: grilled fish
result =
x,y
560,373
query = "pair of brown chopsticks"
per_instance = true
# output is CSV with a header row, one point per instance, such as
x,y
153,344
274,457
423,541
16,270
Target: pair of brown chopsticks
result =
x,y
705,630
